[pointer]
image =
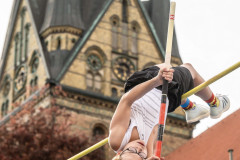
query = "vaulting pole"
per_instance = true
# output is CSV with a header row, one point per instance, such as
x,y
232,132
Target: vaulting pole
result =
x,y
164,106
189,93
211,80
89,150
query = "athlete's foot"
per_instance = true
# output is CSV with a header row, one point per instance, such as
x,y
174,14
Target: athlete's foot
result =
x,y
224,105
196,113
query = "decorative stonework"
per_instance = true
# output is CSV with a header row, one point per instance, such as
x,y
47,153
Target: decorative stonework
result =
x,y
123,67
61,29
20,80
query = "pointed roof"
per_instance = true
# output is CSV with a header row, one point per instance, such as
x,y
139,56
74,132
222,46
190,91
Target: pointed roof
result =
x,y
8,37
76,13
11,25
80,14
63,13
214,143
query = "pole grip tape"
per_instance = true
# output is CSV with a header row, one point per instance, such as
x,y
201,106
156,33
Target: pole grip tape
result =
x,y
160,132
165,86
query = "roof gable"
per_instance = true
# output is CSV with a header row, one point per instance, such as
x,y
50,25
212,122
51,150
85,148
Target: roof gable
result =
x,y
80,14
9,34
11,28
82,41
214,143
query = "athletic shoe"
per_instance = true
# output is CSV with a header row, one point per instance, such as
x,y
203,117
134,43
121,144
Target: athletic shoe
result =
x,y
196,113
224,104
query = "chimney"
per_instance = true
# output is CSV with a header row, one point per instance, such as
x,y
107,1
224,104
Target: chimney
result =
x,y
230,151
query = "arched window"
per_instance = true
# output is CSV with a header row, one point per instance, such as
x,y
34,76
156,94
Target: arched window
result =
x,y
97,82
33,84
94,81
95,59
98,131
34,65
21,54
89,80
135,30
6,85
115,24
114,92
58,43
4,109
36,81
125,11
26,35
16,50
124,26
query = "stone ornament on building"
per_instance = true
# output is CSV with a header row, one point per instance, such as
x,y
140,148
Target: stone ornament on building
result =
x,y
20,79
94,62
123,68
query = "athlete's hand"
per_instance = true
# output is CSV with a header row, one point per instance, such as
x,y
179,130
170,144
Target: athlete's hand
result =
x,y
168,74
165,72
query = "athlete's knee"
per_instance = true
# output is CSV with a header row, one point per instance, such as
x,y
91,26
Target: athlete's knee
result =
x,y
191,69
187,65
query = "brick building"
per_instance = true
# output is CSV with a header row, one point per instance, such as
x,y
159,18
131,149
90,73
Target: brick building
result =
x,y
89,48
220,142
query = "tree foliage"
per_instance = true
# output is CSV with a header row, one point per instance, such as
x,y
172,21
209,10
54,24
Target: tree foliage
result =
x,y
43,134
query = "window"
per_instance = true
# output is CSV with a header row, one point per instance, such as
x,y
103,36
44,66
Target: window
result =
x,y
33,84
6,86
89,80
16,50
58,43
125,11
34,65
135,30
4,109
114,92
124,37
95,59
73,40
115,24
94,81
98,82
21,41
98,131
26,31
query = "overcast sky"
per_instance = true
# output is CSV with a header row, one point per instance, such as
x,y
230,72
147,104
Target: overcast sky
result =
x,y
208,34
